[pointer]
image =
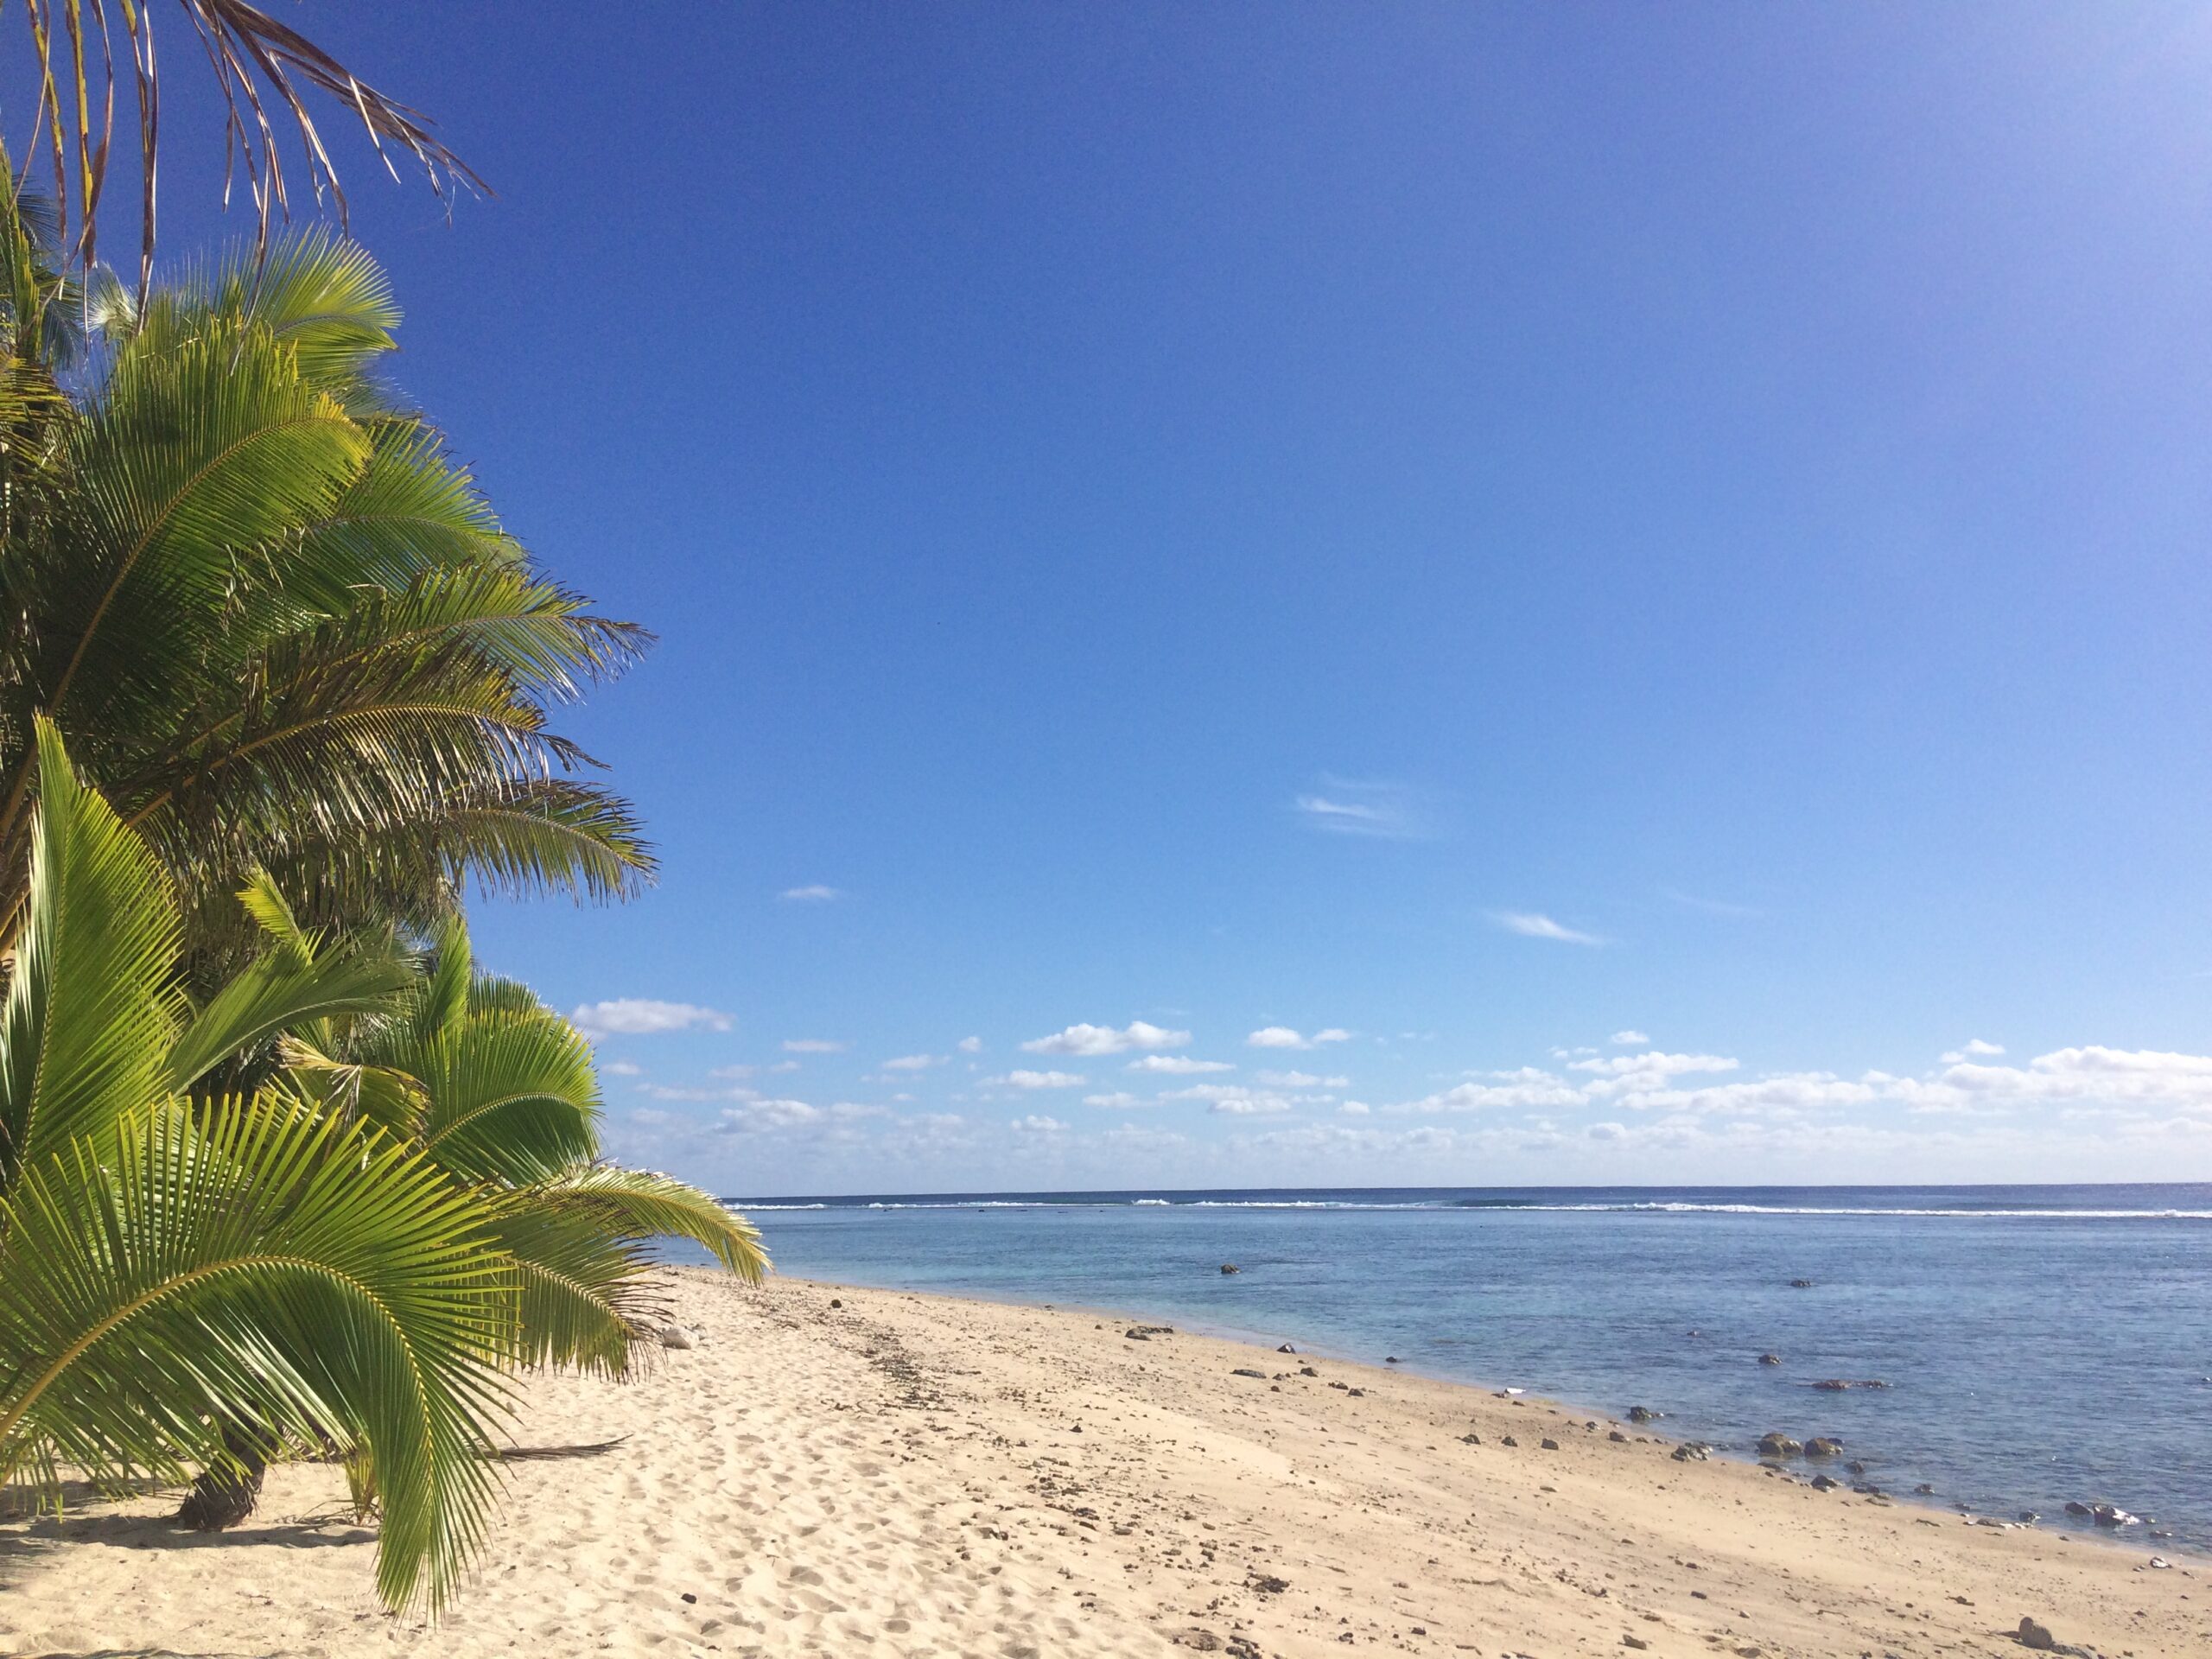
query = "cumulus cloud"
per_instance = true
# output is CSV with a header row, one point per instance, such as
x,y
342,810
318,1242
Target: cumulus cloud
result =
x,y
969,1045
1035,1123
1628,1039
1532,924
1040,1080
913,1062
1178,1066
1235,1098
1120,1100
815,894
639,1016
1092,1041
763,1116
1355,1108
1302,1080
813,1045
1285,1037
623,1068
1973,1049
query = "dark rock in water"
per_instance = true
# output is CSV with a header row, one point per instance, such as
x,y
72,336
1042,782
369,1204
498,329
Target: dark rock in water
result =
x,y
1392,1359
2075,1507
1832,1384
1801,1284
1692,1452
2038,1637
1871,1383
1549,1445
2029,1517
1615,1435
1507,1439
1286,1348
1246,1371
1770,1359
1925,1491
1644,1415
1825,1483
2111,1515
1778,1445
1855,1468
1230,1267
1824,1446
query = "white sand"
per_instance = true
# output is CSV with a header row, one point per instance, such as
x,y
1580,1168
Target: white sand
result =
x,y
911,1474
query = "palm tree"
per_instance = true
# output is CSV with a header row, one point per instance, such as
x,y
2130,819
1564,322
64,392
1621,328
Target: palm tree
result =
x,y
273,620
502,1094
173,1267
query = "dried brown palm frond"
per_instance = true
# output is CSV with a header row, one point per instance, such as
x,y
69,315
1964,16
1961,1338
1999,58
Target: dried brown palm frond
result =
x,y
265,71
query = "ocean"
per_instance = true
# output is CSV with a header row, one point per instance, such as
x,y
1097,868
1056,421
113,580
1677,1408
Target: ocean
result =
x,y
2039,1344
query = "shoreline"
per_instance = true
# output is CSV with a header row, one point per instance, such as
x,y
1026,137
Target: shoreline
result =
x,y
1266,1343
842,1470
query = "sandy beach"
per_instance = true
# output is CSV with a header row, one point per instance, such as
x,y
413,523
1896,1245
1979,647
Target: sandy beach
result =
x,y
835,1470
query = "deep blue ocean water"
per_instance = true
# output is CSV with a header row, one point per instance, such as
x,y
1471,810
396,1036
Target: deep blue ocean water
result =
x,y
2041,1343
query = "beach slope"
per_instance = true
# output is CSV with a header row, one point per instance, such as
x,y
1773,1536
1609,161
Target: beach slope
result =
x,y
850,1472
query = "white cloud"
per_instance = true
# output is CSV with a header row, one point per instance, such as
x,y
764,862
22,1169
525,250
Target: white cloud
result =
x,y
1178,1066
1384,811
785,1065
970,1045
1040,1080
1092,1041
1628,1039
1533,926
1973,1049
813,894
1302,1080
1120,1100
1284,1037
1235,1098
639,1016
623,1068
1624,1072
1355,1109
762,1116
914,1063
1036,1125
813,1045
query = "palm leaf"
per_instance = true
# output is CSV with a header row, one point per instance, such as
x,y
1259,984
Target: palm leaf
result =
x,y
267,1266
90,1010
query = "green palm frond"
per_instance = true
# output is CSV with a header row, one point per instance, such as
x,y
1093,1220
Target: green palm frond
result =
x,y
275,995
91,1009
638,1205
267,1266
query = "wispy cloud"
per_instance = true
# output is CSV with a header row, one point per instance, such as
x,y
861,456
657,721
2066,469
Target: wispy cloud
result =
x,y
1089,1040
1302,1080
639,1016
913,1062
1629,1039
1532,924
1036,1123
623,1068
815,894
813,1045
1710,906
1178,1066
1286,1037
1120,1100
1040,1080
969,1045
1342,806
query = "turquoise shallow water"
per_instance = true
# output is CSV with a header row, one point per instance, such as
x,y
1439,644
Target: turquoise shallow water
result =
x,y
2041,1343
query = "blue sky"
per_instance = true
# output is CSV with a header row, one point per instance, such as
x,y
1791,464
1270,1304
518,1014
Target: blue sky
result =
x,y
1647,565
